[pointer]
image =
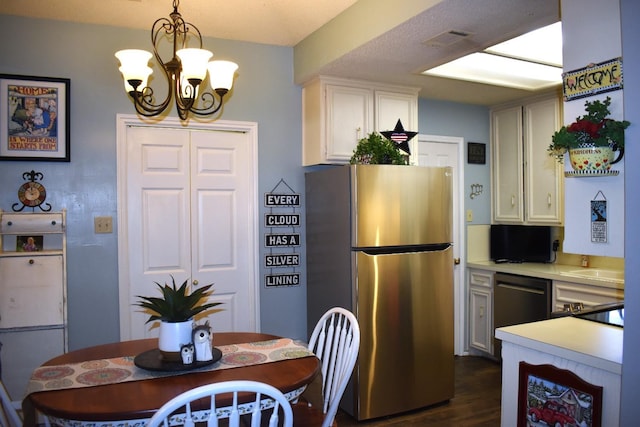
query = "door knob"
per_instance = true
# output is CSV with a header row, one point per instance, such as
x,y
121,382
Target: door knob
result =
x,y
456,261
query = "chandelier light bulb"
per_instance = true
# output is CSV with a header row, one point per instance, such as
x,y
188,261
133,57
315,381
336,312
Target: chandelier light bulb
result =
x,y
194,63
134,66
221,74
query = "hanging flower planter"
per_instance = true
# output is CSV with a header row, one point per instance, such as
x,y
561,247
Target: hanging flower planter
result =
x,y
593,158
592,140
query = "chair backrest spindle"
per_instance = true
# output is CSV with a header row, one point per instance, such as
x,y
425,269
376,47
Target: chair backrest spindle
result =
x,y
335,341
265,396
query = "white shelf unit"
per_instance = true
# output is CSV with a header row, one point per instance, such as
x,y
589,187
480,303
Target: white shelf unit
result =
x,y
33,296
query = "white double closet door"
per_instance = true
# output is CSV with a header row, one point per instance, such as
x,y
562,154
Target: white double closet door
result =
x,y
187,209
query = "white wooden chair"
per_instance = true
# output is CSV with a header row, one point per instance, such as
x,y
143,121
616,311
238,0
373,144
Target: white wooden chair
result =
x,y
11,411
335,341
179,411
9,416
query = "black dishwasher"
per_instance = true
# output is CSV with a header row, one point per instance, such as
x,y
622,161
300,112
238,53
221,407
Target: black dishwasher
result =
x,y
519,299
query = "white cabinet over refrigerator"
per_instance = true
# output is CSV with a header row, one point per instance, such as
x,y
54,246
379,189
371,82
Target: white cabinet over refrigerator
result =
x,y
337,113
33,320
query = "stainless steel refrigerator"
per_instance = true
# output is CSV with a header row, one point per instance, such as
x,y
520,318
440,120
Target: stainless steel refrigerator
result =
x,y
379,244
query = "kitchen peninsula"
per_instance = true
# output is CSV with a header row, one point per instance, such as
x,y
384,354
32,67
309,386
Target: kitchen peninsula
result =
x,y
591,350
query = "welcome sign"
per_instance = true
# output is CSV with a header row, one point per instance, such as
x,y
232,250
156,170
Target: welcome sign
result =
x,y
592,79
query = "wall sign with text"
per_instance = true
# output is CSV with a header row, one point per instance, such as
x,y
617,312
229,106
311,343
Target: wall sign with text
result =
x,y
592,79
476,153
599,218
282,239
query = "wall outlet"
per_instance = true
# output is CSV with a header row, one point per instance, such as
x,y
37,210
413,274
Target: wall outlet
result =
x,y
103,224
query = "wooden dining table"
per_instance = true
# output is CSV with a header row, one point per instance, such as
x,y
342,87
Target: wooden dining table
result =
x,y
139,400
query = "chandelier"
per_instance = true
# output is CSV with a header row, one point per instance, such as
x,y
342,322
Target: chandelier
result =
x,y
184,72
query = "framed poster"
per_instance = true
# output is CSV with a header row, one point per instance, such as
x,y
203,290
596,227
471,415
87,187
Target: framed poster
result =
x,y
34,118
556,397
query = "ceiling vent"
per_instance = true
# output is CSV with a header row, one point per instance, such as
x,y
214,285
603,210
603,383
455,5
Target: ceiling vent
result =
x,y
447,38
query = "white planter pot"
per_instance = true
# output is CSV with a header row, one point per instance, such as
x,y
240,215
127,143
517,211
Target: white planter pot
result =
x,y
173,336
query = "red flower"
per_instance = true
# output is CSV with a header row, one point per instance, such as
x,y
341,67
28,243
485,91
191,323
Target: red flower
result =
x,y
586,126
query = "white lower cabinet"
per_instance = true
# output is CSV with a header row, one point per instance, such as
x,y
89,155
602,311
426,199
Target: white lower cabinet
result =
x,y
481,310
588,295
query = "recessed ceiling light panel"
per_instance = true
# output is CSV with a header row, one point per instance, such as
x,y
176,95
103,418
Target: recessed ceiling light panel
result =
x,y
543,45
532,61
500,71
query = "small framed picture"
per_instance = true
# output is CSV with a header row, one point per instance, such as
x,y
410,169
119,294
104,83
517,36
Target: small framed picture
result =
x,y
29,243
34,118
557,397
476,153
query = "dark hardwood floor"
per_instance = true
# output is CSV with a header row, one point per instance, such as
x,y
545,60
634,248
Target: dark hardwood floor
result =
x,y
476,402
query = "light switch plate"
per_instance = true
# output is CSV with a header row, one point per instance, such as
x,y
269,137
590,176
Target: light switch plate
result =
x,y
103,224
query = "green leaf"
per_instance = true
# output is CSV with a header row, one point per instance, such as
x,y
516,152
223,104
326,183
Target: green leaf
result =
x,y
176,304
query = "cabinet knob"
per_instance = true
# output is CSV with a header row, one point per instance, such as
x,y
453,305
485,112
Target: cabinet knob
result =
x,y
53,222
195,283
9,223
456,261
31,261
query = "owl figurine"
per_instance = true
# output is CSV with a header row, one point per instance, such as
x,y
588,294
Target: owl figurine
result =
x,y
186,352
202,342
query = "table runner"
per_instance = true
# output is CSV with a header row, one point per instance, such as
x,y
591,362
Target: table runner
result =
x,y
122,369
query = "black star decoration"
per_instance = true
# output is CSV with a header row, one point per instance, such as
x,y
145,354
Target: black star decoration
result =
x,y
400,137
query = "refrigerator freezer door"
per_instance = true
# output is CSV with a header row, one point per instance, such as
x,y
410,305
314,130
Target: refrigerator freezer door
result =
x,y
405,312
400,205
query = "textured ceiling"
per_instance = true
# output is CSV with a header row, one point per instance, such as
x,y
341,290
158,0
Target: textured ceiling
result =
x,y
278,22
394,57
399,55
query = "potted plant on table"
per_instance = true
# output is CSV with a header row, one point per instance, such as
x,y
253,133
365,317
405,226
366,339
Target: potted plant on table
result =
x,y
592,139
176,310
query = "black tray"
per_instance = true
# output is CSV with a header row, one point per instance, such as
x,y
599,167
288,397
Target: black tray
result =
x,y
151,360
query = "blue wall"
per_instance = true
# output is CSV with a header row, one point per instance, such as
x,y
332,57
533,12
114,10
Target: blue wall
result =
x,y
263,92
630,410
472,123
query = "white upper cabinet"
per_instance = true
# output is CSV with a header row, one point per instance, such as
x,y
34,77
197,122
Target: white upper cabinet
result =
x,y
544,174
527,182
336,113
507,165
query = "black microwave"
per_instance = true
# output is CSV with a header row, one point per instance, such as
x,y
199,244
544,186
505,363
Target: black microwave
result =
x,y
521,243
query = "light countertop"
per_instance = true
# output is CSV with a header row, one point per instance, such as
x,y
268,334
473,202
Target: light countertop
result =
x,y
590,343
546,271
